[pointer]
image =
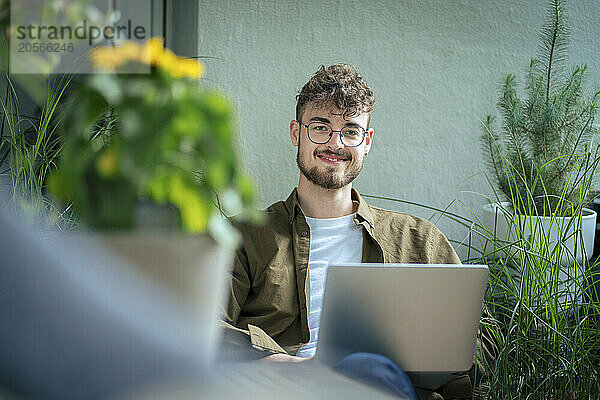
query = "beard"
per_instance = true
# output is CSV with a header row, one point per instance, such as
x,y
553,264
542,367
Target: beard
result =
x,y
328,177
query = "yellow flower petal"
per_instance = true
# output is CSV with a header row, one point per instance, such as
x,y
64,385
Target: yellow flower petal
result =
x,y
110,57
152,50
106,57
130,50
189,67
179,67
166,59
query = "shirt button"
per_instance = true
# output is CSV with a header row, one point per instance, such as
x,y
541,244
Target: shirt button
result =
x,y
304,234
302,267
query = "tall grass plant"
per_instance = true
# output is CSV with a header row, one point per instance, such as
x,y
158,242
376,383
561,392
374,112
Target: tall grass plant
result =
x,y
542,300
29,147
544,318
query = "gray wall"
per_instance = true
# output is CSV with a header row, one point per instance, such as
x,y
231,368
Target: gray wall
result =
x,y
434,67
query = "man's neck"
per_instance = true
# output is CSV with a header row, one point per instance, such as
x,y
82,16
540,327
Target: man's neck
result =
x,y
318,202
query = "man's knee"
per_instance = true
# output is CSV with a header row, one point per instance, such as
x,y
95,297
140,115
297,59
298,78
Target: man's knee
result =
x,y
377,370
370,364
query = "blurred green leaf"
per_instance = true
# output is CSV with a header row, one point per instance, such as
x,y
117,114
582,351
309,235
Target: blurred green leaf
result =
x,y
107,86
166,140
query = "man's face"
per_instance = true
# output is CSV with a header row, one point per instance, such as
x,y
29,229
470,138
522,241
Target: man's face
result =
x,y
330,165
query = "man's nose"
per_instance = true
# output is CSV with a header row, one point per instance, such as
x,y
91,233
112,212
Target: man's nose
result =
x,y
335,141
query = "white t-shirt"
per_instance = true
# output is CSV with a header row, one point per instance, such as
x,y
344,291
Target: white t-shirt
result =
x,y
332,240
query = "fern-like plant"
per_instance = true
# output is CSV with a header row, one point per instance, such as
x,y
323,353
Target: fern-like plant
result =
x,y
544,153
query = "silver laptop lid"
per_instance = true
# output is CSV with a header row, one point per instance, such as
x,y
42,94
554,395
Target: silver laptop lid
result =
x,y
423,316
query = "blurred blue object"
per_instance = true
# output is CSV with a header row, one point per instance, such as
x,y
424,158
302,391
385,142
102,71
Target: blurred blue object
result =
x,y
77,325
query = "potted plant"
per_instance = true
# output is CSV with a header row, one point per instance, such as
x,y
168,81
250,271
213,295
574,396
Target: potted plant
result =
x,y
149,163
542,160
542,317
544,155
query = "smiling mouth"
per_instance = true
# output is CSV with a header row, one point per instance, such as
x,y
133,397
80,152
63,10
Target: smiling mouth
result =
x,y
333,159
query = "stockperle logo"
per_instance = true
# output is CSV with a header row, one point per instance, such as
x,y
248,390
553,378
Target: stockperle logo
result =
x,y
58,37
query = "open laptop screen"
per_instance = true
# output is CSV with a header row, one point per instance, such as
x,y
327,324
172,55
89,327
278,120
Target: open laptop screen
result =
x,y
423,316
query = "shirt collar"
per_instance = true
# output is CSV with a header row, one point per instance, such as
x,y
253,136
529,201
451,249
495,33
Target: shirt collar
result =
x,y
292,205
363,212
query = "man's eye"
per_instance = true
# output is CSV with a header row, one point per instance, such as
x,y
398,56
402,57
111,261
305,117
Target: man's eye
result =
x,y
320,128
351,132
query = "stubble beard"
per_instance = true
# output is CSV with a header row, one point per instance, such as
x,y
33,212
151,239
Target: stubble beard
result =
x,y
327,177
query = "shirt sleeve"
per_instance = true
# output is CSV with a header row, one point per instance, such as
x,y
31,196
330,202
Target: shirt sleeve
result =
x,y
439,249
239,343
239,286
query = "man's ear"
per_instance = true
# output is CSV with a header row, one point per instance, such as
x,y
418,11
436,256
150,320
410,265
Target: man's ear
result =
x,y
368,140
294,132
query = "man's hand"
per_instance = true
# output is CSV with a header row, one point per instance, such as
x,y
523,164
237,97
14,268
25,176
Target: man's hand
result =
x,y
285,358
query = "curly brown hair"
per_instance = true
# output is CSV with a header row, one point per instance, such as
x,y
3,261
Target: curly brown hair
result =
x,y
337,85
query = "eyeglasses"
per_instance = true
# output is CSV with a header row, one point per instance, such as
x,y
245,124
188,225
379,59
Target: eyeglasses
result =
x,y
321,133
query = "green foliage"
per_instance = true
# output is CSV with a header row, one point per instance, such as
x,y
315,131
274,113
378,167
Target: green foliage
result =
x,y
29,147
546,145
547,331
541,322
150,137
29,144
544,314
541,319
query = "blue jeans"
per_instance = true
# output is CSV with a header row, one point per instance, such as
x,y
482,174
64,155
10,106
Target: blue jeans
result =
x,y
379,371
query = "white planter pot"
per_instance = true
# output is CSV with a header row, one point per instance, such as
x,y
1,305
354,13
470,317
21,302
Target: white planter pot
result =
x,y
192,269
572,237
565,232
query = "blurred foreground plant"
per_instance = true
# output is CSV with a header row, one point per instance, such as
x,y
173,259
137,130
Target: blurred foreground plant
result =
x,y
157,137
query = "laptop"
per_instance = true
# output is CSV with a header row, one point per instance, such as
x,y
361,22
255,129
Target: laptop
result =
x,y
424,317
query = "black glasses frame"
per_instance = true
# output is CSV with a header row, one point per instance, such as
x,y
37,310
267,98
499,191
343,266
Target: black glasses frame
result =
x,y
332,132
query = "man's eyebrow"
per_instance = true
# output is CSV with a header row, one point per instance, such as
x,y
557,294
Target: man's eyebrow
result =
x,y
353,124
321,119
327,121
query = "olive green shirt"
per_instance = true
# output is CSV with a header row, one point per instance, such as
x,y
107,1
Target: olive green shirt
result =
x,y
270,285
269,289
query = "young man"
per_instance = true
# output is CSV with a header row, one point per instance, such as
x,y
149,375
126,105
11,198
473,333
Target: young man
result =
x,y
277,286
